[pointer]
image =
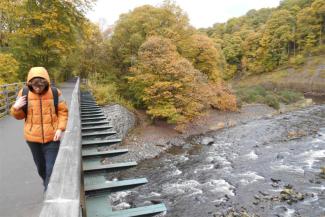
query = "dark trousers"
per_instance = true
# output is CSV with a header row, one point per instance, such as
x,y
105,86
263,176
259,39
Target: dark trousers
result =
x,y
44,156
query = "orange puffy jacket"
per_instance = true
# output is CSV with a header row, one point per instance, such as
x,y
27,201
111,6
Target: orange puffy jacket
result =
x,y
42,121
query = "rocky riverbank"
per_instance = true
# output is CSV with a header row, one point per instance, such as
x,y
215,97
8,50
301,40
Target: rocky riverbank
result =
x,y
146,140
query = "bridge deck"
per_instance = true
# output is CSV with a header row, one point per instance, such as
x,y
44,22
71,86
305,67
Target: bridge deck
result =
x,y
20,186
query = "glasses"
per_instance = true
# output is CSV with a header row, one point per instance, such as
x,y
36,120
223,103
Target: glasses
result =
x,y
38,84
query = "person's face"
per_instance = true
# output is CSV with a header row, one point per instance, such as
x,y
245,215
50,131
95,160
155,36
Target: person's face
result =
x,y
38,89
38,85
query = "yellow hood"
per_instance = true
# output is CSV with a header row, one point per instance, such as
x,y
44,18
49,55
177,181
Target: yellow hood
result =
x,y
38,72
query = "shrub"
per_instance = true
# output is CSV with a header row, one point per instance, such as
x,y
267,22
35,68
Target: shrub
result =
x,y
258,94
251,94
319,50
287,96
272,101
298,60
108,94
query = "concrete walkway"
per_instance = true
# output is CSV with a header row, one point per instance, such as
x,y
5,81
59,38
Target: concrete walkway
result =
x,y
20,186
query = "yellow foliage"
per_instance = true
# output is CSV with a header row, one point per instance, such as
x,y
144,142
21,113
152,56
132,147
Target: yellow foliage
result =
x,y
108,94
8,68
169,87
204,55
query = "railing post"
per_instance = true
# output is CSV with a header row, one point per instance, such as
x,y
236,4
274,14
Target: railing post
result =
x,y
16,88
6,93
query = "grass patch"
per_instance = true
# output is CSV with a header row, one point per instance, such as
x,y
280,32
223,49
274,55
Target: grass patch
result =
x,y
108,94
277,76
322,73
258,94
310,71
288,96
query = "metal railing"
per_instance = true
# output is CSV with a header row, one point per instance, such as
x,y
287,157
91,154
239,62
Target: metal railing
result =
x,y
8,94
62,198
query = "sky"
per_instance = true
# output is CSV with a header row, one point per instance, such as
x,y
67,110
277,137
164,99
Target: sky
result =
x,y
202,13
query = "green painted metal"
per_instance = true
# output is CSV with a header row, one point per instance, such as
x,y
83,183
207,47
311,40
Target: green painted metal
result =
x,y
91,110
88,103
93,116
87,99
103,133
139,211
100,142
86,120
96,166
89,107
93,152
92,113
109,185
96,186
101,127
94,179
98,206
95,123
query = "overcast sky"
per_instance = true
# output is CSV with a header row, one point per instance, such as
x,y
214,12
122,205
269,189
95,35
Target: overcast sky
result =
x,y
202,13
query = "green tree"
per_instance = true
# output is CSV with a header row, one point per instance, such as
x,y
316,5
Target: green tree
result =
x,y
251,61
308,27
95,56
8,69
232,49
290,4
277,37
319,7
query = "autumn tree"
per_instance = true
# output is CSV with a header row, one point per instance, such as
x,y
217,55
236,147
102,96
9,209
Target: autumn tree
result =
x,y
205,56
133,28
47,35
276,39
169,87
8,69
95,54
9,16
307,29
319,7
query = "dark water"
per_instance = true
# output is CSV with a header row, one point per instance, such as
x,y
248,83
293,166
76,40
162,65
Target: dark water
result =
x,y
316,99
266,167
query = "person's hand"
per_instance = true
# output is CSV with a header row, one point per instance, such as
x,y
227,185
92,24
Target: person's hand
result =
x,y
20,102
58,135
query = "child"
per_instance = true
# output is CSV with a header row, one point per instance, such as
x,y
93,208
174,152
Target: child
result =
x,y
43,125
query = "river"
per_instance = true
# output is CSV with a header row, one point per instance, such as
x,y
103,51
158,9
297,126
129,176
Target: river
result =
x,y
265,167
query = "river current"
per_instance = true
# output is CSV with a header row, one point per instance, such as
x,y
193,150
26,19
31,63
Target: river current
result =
x,y
266,167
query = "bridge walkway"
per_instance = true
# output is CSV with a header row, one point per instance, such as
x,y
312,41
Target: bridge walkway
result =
x,y
20,186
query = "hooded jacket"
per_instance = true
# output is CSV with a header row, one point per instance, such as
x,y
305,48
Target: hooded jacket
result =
x,y
42,120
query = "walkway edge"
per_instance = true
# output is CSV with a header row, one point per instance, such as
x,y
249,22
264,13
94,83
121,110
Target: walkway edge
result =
x,y
63,195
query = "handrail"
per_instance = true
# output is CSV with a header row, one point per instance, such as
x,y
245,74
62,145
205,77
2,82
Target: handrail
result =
x,y
62,197
8,94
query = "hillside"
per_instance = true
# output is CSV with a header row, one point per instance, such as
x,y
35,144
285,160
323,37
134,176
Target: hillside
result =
x,y
307,78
